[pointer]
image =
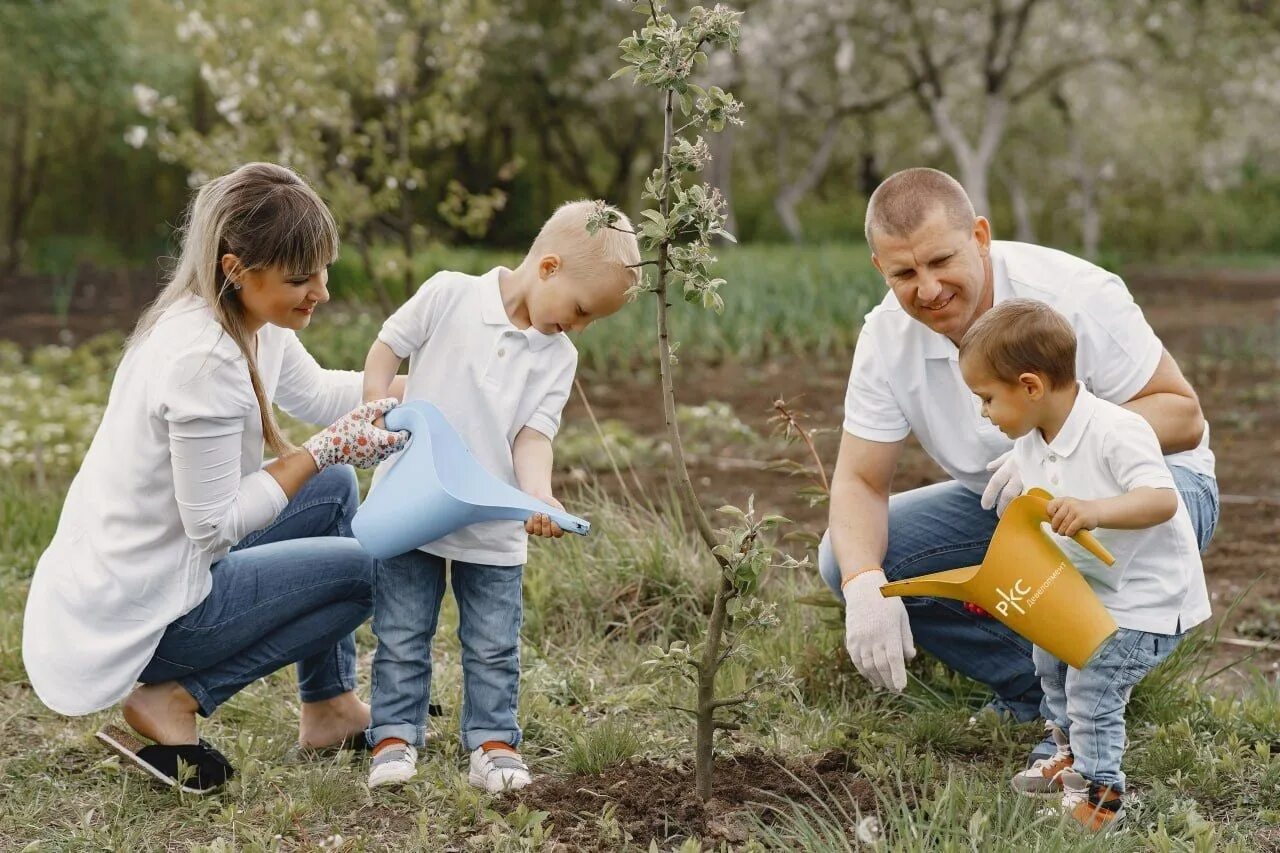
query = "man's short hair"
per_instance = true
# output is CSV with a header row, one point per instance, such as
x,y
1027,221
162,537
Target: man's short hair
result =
x,y
1024,336
905,199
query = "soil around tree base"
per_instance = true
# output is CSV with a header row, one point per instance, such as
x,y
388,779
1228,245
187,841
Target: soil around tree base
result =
x,y
656,802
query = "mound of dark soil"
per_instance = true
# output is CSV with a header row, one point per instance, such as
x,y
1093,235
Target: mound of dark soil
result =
x,y
652,801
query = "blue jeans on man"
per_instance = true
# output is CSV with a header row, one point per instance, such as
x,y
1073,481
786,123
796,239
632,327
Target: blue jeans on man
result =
x,y
943,526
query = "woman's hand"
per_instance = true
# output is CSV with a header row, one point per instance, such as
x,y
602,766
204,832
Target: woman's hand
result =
x,y
354,439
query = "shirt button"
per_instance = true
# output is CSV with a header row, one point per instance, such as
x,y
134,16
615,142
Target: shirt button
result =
x,y
1053,480
1052,458
501,353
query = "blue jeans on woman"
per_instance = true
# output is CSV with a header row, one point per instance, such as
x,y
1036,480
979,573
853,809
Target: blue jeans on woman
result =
x,y
292,592
943,526
406,611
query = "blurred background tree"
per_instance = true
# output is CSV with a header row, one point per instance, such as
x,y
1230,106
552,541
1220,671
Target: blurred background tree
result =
x,y
1140,128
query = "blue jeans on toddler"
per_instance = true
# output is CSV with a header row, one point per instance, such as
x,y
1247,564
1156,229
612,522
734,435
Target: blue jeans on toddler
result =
x,y
406,610
1088,704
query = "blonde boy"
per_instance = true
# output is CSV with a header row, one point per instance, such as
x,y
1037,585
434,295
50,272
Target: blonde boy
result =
x,y
491,352
1104,466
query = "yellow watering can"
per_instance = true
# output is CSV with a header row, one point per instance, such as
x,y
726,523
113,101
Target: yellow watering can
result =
x,y
1027,583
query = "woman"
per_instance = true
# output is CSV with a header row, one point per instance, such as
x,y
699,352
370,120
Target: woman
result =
x,y
180,561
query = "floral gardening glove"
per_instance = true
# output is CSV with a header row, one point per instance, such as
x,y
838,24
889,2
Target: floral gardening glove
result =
x,y
353,439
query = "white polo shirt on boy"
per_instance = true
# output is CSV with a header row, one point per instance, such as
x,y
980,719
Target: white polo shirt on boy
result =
x,y
1103,450
490,380
906,377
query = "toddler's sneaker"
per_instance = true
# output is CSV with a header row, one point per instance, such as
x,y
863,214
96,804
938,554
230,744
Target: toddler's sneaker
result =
x,y
1092,807
497,767
393,764
1044,777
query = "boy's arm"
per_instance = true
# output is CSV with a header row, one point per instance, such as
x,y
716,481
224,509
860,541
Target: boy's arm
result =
x,y
1141,508
380,373
1132,453
532,455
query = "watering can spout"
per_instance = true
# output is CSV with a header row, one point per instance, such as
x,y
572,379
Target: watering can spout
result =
x,y
1026,582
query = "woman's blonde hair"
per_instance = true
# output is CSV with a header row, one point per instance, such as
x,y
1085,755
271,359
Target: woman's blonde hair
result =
x,y
265,215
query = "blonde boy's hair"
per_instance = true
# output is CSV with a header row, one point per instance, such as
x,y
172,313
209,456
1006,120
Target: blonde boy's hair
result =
x,y
1024,336
608,252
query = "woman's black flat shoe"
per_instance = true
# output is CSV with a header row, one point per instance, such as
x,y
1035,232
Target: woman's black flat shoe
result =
x,y
194,768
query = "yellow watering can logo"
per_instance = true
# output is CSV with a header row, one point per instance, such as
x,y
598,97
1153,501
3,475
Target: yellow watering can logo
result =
x,y
1027,583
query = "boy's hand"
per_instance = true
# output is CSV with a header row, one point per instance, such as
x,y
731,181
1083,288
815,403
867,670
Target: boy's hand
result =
x,y
1068,516
540,524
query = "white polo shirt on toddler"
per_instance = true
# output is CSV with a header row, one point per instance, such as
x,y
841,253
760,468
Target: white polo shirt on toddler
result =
x,y
489,379
906,377
1103,450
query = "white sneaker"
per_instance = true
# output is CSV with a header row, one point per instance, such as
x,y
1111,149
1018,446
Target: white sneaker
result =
x,y
394,765
498,769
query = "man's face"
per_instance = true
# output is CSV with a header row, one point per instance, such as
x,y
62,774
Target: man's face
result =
x,y
940,274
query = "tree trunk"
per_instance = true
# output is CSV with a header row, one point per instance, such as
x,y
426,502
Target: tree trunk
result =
x,y
789,195
1025,228
720,174
17,187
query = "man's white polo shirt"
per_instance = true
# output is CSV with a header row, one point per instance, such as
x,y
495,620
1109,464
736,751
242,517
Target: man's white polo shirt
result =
x,y
490,380
906,377
1157,582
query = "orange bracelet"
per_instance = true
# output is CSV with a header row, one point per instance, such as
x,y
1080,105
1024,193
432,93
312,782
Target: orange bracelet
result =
x,y
845,578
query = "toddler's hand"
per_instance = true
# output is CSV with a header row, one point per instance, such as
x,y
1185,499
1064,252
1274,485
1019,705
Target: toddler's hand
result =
x,y
354,439
540,524
1068,516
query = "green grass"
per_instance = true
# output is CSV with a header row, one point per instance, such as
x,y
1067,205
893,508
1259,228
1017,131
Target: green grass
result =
x,y
1207,767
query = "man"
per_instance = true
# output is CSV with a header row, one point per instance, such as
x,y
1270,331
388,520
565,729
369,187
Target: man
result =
x,y
944,271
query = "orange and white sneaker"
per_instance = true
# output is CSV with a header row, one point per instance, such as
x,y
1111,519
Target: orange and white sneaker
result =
x,y
498,767
1094,808
1043,777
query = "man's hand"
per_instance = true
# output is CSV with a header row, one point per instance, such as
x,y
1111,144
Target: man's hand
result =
x,y
1068,516
877,634
1005,484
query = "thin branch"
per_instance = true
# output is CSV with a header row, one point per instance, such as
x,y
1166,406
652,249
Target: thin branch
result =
x,y
624,231
642,264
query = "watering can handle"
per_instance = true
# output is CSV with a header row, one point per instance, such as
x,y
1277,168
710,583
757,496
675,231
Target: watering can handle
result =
x,y
1083,538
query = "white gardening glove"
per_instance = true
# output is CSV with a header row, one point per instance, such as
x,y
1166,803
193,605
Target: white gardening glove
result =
x,y
876,632
353,439
1005,484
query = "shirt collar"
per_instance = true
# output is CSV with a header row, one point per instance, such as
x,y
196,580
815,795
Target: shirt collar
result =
x,y
494,313
1082,411
940,346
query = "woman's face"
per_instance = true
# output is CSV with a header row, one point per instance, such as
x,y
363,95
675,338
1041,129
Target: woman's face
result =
x,y
284,298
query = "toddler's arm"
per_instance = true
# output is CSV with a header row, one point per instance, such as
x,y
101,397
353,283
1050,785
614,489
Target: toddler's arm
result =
x,y
380,368
1134,510
531,455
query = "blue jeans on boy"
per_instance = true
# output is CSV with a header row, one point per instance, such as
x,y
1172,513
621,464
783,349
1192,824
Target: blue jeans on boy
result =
x,y
1088,704
292,592
406,611
943,526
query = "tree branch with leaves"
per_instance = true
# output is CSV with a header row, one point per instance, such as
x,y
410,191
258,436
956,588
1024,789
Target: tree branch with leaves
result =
x,y
677,232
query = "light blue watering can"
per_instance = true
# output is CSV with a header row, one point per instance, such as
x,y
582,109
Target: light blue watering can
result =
x,y
438,487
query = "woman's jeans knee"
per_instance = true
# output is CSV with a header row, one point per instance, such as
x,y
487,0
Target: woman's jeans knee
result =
x,y
292,592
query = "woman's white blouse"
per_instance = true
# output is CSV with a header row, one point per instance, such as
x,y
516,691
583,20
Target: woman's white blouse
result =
x,y
172,479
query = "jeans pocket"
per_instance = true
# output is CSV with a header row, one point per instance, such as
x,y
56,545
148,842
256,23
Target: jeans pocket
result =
x,y
159,669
